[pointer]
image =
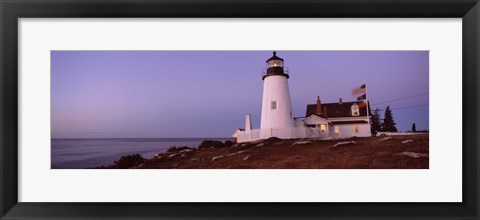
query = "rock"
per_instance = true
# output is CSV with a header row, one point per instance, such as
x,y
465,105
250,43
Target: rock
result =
x,y
217,157
301,142
413,154
246,158
186,151
236,153
385,138
407,141
344,143
257,141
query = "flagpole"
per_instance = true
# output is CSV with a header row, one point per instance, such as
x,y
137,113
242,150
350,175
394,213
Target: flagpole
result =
x,y
366,98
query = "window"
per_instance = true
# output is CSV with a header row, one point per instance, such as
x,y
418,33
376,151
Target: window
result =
x,y
337,129
275,63
322,128
273,105
355,110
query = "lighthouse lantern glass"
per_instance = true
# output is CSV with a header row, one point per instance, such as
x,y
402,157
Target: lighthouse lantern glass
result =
x,y
274,63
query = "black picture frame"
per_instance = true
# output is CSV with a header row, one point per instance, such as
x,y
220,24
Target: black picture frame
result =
x,y
12,10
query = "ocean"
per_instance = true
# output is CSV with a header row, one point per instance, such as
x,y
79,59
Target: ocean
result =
x,y
88,153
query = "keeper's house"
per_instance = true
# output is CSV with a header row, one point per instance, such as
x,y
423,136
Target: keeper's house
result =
x,y
340,119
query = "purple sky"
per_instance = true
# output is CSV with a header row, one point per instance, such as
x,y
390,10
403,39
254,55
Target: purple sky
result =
x,y
99,94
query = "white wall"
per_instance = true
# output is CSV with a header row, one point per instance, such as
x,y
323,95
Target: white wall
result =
x,y
348,130
275,88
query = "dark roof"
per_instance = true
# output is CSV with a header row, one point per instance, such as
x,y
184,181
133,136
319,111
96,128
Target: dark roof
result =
x,y
336,110
274,57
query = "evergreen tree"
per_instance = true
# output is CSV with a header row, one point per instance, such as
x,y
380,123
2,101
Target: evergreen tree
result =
x,y
375,121
414,129
388,122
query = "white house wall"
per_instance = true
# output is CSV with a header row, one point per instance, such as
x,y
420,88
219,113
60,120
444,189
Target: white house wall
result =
x,y
315,120
298,123
348,130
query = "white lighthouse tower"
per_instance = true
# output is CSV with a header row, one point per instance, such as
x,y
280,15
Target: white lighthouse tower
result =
x,y
276,105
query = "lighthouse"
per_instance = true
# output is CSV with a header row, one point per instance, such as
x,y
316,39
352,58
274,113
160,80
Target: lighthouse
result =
x,y
322,120
276,105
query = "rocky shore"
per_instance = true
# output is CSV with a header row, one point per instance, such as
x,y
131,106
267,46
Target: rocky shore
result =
x,y
384,152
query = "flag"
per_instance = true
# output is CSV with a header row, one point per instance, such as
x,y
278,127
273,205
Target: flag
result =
x,y
362,104
359,90
362,97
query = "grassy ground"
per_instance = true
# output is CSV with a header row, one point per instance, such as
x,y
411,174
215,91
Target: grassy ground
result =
x,y
360,153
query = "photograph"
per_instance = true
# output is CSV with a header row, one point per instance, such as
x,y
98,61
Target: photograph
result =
x,y
320,109
239,109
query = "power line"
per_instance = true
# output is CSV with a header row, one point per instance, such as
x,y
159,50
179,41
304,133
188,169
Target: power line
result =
x,y
407,97
410,106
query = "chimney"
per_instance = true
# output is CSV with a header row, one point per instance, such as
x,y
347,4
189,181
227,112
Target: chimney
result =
x,y
340,101
319,106
325,112
248,122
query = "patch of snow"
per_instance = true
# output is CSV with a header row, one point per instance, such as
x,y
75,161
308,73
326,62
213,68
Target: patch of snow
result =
x,y
246,158
407,141
344,143
172,155
217,157
413,154
260,145
385,138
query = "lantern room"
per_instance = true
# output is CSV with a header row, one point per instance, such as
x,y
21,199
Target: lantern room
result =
x,y
275,67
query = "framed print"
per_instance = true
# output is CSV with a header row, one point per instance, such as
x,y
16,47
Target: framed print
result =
x,y
225,109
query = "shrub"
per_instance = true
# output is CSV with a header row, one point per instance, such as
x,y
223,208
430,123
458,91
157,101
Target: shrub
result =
x,y
210,144
126,162
174,149
228,143
271,141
